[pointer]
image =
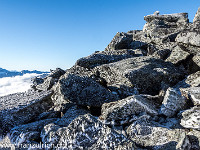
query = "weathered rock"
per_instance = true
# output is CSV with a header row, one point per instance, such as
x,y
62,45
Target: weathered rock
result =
x,y
196,60
193,80
189,38
86,132
28,133
184,143
191,118
192,93
152,136
119,112
162,54
194,137
104,57
197,17
177,56
20,108
51,134
71,114
161,25
124,41
49,81
82,90
173,102
144,73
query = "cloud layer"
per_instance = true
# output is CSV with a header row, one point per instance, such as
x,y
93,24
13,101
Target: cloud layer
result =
x,y
9,85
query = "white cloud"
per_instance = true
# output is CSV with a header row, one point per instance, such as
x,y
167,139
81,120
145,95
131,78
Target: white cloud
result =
x,y
9,85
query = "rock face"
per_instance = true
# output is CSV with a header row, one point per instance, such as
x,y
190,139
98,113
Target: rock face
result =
x,y
197,17
118,112
173,102
21,108
144,73
141,92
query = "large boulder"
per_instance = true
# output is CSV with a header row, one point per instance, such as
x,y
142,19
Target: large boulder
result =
x,y
145,73
82,90
28,133
104,57
173,102
153,136
160,25
177,56
21,108
86,132
120,112
191,118
124,41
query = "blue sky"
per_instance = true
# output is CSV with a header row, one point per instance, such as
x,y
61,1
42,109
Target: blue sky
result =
x,y
45,34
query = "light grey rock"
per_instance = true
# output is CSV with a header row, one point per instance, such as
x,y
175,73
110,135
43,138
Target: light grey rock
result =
x,y
20,108
192,93
191,118
173,102
144,73
51,134
197,17
28,133
193,80
152,136
86,132
120,111
189,38
46,85
82,90
104,57
196,60
161,25
177,56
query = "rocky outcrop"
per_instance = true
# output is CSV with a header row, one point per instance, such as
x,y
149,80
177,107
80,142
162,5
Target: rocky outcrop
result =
x,y
196,19
120,112
144,73
21,108
141,92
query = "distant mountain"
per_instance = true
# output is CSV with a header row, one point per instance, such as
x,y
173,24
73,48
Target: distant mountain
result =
x,y
7,73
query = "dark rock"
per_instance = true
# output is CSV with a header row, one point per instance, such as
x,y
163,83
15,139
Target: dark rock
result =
x,y
194,137
144,73
119,111
162,54
57,73
21,108
82,90
104,57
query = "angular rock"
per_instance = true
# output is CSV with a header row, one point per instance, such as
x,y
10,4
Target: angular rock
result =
x,y
193,80
161,25
71,114
189,38
192,93
184,143
119,111
51,134
86,132
197,17
191,118
177,56
196,60
82,90
28,133
20,108
104,57
162,54
144,73
173,102
152,136
194,137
